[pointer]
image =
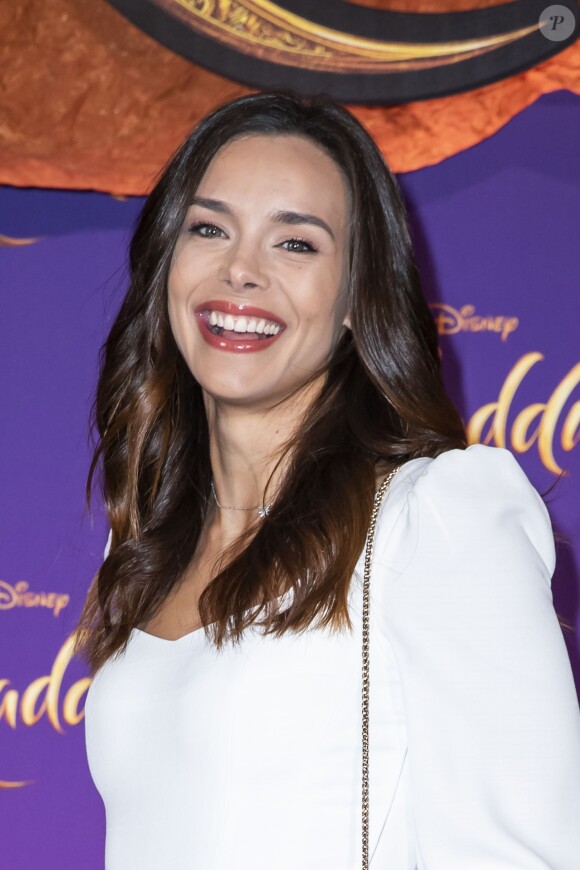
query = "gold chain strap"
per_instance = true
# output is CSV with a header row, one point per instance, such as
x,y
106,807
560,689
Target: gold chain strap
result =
x,y
366,667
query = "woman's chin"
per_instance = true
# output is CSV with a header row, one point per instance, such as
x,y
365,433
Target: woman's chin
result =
x,y
240,396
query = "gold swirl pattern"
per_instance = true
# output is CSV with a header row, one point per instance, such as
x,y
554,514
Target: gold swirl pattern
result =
x,y
269,32
42,698
6,783
14,242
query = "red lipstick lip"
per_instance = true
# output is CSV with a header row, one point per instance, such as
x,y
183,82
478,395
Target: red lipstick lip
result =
x,y
239,344
238,308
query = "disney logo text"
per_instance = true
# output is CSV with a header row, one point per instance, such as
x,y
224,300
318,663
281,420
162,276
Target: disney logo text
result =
x,y
450,321
19,596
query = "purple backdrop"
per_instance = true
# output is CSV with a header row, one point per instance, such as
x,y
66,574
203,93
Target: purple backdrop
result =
x,y
496,231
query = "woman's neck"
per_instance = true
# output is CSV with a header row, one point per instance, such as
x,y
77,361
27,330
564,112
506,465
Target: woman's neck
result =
x,y
245,447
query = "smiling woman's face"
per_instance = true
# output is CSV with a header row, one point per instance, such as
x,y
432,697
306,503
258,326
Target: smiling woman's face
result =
x,y
258,280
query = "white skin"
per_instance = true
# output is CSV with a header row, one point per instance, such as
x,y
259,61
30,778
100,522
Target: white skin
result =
x,y
243,255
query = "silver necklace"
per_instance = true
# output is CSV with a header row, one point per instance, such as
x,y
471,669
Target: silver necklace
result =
x,y
263,510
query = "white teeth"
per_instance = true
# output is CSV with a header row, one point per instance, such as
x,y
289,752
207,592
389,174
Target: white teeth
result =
x,y
243,324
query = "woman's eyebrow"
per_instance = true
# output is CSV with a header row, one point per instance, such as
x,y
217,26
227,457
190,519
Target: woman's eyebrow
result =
x,y
295,217
281,217
213,204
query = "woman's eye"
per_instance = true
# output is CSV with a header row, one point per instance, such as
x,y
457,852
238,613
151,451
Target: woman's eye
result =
x,y
207,231
299,246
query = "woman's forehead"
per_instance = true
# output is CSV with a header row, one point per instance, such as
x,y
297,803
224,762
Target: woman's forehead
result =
x,y
288,168
282,153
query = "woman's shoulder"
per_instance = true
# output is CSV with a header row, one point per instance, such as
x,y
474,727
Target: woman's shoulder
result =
x,y
462,500
477,464
489,477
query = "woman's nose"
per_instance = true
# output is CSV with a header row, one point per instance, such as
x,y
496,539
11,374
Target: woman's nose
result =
x,y
243,269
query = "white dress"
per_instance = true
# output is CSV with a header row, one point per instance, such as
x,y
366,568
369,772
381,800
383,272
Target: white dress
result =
x,y
250,759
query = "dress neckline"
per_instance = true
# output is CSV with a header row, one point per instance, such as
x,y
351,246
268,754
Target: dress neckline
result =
x,y
198,632
156,637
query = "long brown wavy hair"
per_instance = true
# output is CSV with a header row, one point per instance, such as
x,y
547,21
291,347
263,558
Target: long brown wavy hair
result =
x,y
382,403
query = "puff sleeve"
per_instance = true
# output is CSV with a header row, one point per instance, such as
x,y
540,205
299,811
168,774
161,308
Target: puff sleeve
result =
x,y
491,711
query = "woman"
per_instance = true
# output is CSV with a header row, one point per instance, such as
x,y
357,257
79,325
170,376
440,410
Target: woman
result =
x,y
272,362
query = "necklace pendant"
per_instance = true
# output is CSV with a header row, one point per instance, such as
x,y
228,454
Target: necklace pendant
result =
x,y
264,511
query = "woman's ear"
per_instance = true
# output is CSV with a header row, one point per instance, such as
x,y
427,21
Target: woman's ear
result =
x,y
346,322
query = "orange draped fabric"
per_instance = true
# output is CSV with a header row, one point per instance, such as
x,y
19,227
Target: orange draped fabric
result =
x,y
88,101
